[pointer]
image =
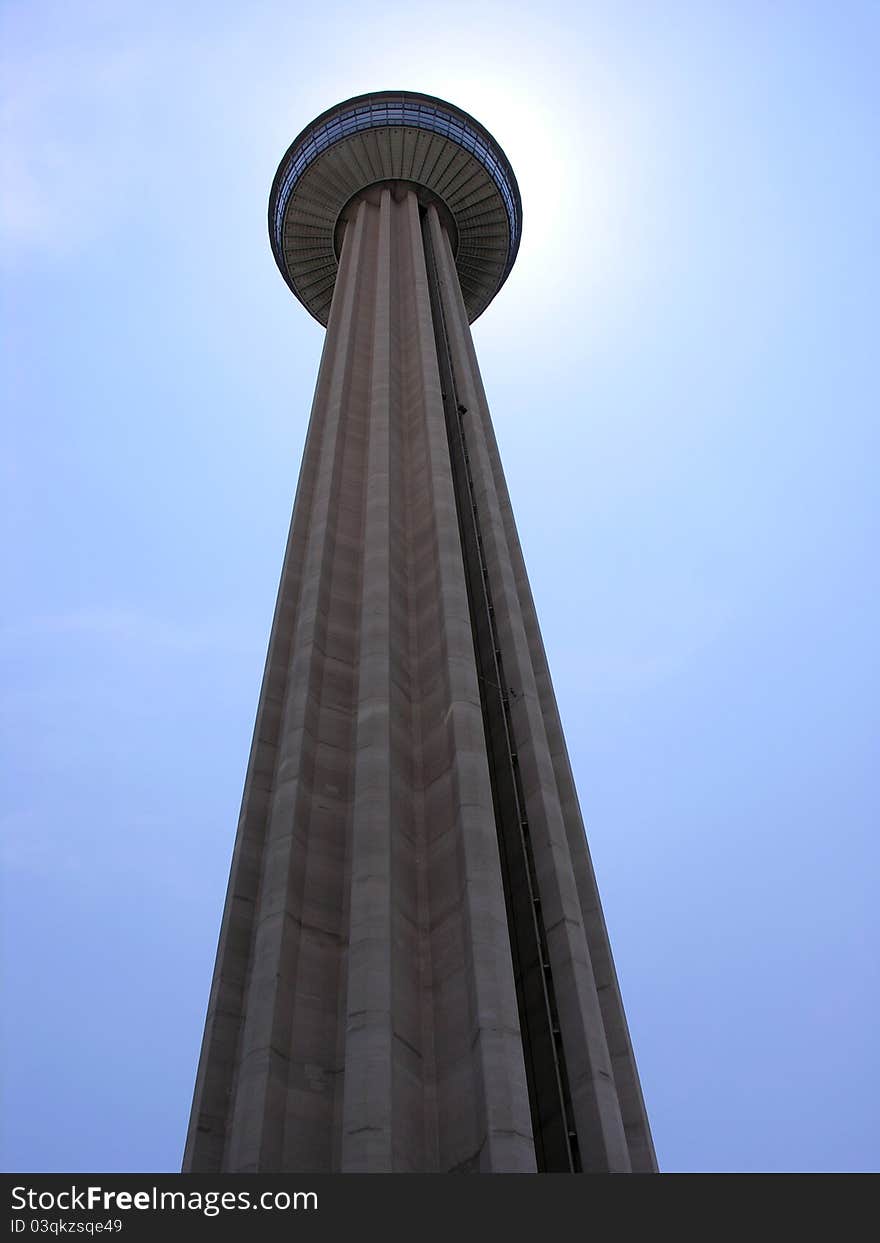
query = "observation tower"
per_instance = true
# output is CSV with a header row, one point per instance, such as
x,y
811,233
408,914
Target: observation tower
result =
x,y
413,972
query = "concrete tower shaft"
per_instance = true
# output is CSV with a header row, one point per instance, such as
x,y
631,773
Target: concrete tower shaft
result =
x,y
413,971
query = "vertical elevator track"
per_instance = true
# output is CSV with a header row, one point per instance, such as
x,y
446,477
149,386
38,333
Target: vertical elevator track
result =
x,y
556,1143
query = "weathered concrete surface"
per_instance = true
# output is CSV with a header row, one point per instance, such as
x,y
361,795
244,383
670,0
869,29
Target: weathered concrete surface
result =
x,y
363,1014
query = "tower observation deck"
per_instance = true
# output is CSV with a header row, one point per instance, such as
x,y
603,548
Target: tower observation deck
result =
x,y
413,971
441,153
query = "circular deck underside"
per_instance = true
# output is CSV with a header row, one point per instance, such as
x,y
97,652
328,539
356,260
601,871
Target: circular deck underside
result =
x,y
389,136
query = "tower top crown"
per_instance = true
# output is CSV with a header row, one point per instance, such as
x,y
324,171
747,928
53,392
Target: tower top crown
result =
x,y
394,136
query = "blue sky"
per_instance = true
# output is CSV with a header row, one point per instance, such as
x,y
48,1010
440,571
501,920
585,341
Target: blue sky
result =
x,y
683,373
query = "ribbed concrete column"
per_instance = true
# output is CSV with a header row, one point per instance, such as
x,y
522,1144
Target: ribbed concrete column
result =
x,y
481,1079
609,1115
294,957
239,1106
367,1100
